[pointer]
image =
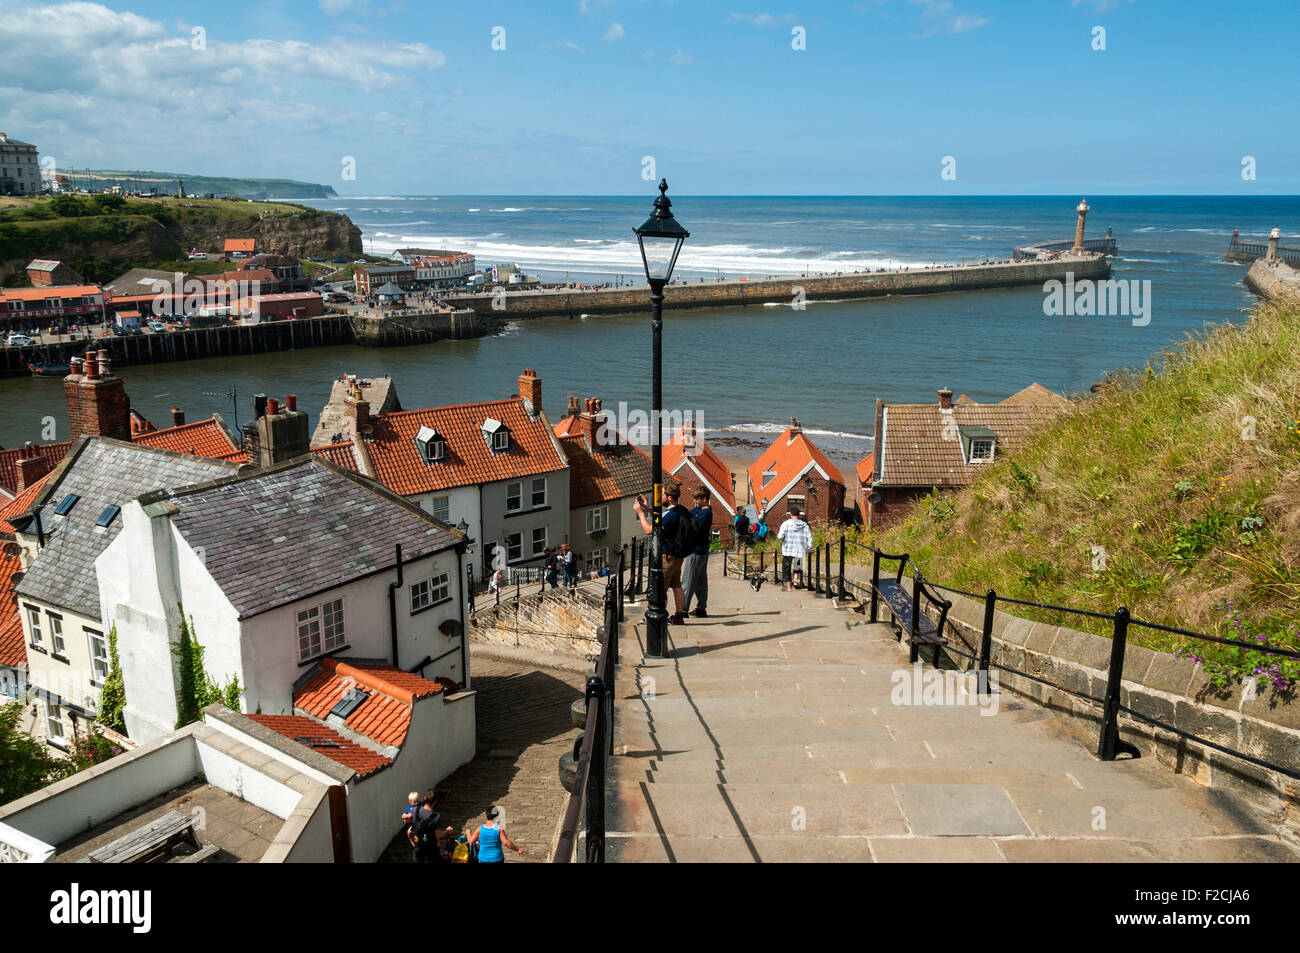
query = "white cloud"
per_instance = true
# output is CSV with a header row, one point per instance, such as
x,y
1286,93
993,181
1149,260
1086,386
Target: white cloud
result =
x,y
682,58
614,32
944,18
567,45
1101,6
761,19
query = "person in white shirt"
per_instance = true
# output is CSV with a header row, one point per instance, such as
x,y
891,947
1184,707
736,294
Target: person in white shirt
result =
x,y
796,542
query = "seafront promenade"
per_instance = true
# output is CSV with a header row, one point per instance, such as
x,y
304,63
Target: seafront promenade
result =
x,y
785,290
773,733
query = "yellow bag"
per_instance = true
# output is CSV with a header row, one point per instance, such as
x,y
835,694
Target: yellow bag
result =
x,y
460,855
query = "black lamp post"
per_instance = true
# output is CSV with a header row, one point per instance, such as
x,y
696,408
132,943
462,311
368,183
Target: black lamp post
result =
x,y
660,239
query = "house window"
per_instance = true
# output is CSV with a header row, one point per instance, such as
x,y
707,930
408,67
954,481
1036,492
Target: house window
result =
x,y
333,613
56,634
598,519
539,540
420,598
768,477
440,587
34,624
433,446
597,559
514,546
54,727
501,440
539,491
514,497
98,656
794,503
320,629
440,507
981,451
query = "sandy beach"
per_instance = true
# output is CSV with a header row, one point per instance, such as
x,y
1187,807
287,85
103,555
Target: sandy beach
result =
x,y
739,464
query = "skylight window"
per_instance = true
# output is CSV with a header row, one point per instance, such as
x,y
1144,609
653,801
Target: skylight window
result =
x,y
66,504
350,702
106,518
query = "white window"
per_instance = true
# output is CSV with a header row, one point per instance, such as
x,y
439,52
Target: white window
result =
x,y
420,596
56,634
308,633
34,624
98,655
441,509
501,440
539,540
597,559
54,728
981,451
333,613
768,477
514,546
440,587
598,519
514,497
539,491
320,629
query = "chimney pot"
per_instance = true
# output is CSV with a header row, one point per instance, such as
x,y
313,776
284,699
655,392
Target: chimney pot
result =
x,y
92,370
272,407
259,405
945,399
105,365
291,402
575,403
178,416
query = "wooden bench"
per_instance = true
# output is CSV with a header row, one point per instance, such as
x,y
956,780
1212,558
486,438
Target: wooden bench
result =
x,y
905,607
156,837
200,855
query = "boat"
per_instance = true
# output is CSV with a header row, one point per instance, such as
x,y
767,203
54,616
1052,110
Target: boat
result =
x,y
49,370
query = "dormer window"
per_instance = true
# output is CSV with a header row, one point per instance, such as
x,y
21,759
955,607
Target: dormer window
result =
x,y
977,443
768,476
497,435
433,445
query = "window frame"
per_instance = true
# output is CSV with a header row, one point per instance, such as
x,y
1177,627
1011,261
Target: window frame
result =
x,y
972,457
35,638
500,441
532,495
58,644
518,486
598,519
443,586
313,616
445,500
427,599
91,636
54,714
546,536
518,546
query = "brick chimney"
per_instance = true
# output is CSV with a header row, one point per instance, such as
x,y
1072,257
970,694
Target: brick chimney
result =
x,y
575,406
97,401
274,435
178,416
358,409
796,428
530,389
945,399
31,466
593,426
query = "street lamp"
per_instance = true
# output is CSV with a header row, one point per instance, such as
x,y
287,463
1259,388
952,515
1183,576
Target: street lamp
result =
x,y
660,239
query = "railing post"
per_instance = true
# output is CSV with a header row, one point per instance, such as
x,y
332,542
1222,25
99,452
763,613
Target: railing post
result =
x,y
776,568
914,649
844,593
875,583
829,592
1110,743
816,565
622,615
986,638
595,799
744,565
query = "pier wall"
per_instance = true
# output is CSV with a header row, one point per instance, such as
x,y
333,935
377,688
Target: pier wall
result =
x,y
783,290
1272,283
420,327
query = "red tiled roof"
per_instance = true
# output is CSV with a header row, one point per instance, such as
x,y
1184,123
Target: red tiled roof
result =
x,y
239,244
570,425
864,468
19,505
13,650
49,291
609,475
325,740
789,456
204,438
707,463
340,454
399,466
385,716
53,452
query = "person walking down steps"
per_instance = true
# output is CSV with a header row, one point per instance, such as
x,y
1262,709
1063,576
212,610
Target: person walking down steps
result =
x,y
695,574
796,542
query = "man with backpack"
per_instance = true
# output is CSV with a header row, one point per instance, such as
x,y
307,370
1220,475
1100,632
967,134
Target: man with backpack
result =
x,y
741,526
695,574
677,534
426,832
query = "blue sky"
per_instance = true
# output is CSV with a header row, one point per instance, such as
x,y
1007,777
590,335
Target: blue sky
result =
x,y
583,90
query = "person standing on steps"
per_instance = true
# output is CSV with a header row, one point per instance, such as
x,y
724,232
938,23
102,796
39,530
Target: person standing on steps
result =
x,y
490,838
695,573
676,532
796,542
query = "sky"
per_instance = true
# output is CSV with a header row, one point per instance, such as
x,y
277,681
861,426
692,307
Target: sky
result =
x,y
594,97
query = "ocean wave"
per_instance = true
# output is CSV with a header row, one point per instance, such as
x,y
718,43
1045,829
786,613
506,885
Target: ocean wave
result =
x,y
509,209
771,428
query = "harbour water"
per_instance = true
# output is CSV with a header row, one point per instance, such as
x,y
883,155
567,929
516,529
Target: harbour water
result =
x,y
746,371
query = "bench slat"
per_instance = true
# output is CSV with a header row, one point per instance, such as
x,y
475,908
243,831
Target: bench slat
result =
x,y
153,836
200,855
899,602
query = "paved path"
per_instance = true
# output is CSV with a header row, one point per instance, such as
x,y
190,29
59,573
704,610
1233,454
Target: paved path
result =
x,y
771,735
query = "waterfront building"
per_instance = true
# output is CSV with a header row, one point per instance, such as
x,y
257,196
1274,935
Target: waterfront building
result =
x,y
379,394
20,172
285,270
43,273
606,474
443,269
920,448
278,307
495,468
794,474
30,308
693,465
370,277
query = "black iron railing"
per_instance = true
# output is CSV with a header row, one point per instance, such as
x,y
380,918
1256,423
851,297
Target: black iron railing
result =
x,y
593,747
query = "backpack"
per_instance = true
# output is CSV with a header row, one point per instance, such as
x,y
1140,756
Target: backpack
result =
x,y
742,524
682,543
424,832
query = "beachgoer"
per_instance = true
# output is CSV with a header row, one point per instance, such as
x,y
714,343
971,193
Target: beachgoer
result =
x,y
796,542
490,839
695,572
673,543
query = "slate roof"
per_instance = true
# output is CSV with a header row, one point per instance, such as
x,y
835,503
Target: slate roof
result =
x,y
325,740
53,452
790,456
706,464
398,465
914,451
611,474
13,650
101,472
272,537
142,281
388,289
384,717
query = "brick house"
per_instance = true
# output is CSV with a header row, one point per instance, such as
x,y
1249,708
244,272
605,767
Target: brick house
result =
x,y
943,446
369,278
43,273
693,465
792,473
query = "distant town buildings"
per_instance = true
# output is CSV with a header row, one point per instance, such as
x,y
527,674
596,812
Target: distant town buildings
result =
x,y
43,273
20,172
370,278
28,307
240,247
794,474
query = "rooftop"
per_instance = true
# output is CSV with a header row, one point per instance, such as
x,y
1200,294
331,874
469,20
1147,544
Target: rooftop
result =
x,y
13,650
610,474
52,452
384,716
204,438
789,457
51,291
706,464
326,741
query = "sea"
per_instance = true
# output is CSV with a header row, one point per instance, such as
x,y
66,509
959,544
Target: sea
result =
x,y
743,372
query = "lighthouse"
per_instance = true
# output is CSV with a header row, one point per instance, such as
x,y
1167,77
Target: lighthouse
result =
x,y
1274,237
1078,229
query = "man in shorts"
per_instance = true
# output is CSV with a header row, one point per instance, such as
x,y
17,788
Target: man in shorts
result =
x,y
668,532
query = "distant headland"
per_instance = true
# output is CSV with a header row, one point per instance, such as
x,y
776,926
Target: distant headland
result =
x,y
166,184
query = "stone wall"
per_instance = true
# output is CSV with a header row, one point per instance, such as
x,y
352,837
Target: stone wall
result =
x,y
1271,283
557,621
415,327
523,304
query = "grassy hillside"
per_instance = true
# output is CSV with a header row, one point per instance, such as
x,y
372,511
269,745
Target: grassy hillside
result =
x,y
1186,478
165,183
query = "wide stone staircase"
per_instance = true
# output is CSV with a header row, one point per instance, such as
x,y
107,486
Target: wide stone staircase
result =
x,y
783,728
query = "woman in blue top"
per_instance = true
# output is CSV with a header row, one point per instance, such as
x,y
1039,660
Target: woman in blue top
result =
x,y
489,838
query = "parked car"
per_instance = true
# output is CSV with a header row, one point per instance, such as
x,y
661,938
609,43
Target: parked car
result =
x,y
19,340
157,326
